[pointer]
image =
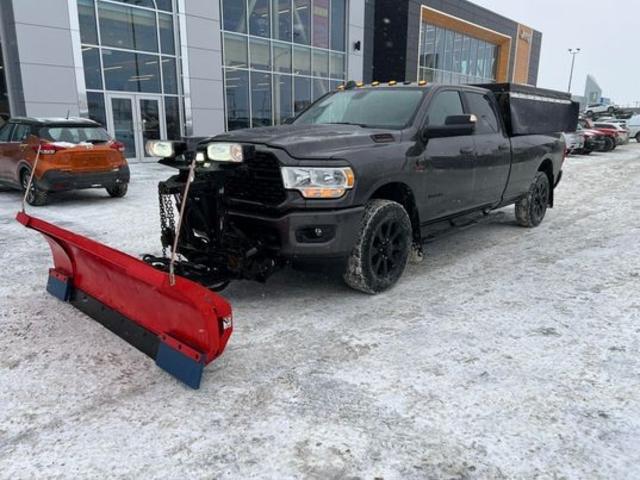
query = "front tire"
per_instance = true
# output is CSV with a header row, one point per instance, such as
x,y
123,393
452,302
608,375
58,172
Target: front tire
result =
x,y
638,138
119,190
609,144
36,196
380,254
531,209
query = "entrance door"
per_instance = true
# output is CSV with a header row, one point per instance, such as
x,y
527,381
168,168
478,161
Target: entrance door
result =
x,y
135,119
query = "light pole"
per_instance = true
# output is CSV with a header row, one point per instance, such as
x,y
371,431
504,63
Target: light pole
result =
x,y
573,52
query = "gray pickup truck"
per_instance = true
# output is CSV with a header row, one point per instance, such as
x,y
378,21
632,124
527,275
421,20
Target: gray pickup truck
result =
x,y
358,177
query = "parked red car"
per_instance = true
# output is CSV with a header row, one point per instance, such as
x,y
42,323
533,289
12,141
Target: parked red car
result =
x,y
609,140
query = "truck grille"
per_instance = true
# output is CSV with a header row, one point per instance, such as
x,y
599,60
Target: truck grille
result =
x,y
257,180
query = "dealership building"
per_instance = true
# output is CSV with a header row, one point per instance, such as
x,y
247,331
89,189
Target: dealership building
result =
x,y
173,68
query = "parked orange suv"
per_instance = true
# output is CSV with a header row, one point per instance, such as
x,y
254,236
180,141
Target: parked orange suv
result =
x,y
75,153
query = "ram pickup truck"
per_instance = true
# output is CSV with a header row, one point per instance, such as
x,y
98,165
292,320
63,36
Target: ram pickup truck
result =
x,y
357,177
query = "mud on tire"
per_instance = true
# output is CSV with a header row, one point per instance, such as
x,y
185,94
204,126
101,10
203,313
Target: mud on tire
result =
x,y
380,254
531,209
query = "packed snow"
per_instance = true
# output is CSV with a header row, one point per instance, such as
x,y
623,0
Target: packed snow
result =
x,y
508,353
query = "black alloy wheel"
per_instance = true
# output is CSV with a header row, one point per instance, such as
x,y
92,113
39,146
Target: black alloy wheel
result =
x,y
387,252
36,197
531,210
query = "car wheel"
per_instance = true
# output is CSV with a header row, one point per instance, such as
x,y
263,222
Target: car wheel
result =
x,y
609,144
380,254
638,137
611,109
531,209
36,196
590,113
119,190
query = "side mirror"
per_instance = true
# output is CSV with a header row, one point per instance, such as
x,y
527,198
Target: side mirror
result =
x,y
454,126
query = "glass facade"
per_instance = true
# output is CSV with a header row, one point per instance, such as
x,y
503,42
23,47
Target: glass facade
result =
x,y
279,56
451,57
4,94
130,46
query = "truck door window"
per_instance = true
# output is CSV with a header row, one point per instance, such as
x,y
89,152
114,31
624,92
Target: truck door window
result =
x,y
445,104
479,105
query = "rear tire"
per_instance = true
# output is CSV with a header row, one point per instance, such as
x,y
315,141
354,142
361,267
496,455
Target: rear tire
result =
x,y
36,196
589,113
638,138
380,254
609,144
531,209
119,190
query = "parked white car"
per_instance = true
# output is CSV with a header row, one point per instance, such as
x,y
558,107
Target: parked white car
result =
x,y
599,108
633,124
574,141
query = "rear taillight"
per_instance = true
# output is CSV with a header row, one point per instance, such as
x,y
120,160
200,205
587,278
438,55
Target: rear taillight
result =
x,y
116,145
49,148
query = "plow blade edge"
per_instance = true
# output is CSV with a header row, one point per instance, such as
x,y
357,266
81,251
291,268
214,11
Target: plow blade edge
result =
x,y
182,327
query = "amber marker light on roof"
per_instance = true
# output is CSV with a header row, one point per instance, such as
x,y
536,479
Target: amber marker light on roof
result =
x,y
375,84
422,83
392,83
360,84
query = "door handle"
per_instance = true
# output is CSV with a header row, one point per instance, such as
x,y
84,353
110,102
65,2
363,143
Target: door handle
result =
x,y
466,151
504,148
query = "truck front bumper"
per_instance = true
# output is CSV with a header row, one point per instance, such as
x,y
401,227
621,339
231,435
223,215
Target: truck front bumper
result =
x,y
311,234
59,180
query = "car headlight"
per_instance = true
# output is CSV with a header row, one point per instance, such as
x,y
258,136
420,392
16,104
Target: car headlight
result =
x,y
225,152
316,182
161,148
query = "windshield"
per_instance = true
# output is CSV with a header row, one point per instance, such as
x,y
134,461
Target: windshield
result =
x,y
383,108
75,134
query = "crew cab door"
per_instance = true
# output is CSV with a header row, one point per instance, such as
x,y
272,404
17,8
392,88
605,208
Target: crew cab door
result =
x,y
492,148
448,163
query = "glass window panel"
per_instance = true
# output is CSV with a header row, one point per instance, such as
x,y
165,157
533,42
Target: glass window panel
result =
x,y
282,98
235,51
282,57
448,50
464,59
139,3
336,66
281,11
87,16
338,22
320,88
166,5
150,116
259,18
487,119
4,95
302,94
261,107
97,112
321,23
320,63
444,105
172,115
167,38
123,124
457,52
302,60
480,61
131,72
127,27
473,56
260,51
237,93
169,76
92,69
302,21
440,41
234,16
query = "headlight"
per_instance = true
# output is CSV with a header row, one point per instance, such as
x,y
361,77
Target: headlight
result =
x,y
225,152
161,148
318,182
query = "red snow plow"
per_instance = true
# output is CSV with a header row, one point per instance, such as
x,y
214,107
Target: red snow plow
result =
x,y
182,325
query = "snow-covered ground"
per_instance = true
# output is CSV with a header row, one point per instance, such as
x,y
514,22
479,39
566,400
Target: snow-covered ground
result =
x,y
509,353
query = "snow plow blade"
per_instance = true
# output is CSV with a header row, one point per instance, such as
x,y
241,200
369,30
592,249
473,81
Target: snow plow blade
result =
x,y
182,327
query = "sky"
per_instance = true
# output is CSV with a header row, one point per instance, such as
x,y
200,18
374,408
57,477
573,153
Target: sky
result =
x,y
608,32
